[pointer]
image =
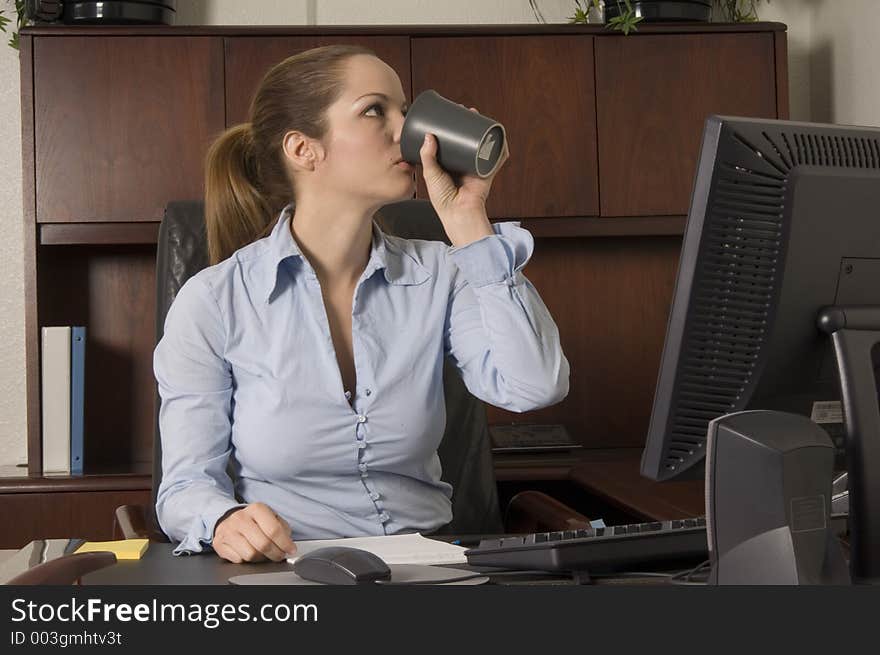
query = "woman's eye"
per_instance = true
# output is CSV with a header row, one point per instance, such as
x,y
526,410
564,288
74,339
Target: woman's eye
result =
x,y
371,107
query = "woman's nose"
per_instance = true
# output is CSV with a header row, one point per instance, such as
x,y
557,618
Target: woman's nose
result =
x,y
399,120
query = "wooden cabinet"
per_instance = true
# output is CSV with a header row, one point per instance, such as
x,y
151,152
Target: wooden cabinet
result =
x,y
604,133
56,515
56,508
648,149
541,89
122,123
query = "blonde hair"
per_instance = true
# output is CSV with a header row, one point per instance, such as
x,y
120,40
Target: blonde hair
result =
x,y
246,181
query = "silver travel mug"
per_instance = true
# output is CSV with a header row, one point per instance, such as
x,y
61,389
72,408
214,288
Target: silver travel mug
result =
x,y
467,142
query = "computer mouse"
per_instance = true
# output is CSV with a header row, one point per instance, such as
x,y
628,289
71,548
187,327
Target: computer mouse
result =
x,y
341,565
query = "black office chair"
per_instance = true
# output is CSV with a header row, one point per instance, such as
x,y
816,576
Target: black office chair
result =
x,y
464,451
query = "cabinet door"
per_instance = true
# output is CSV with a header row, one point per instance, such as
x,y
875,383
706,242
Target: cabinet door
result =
x,y
541,89
122,124
653,96
249,57
63,515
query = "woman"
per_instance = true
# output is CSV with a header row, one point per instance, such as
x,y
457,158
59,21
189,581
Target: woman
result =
x,y
306,363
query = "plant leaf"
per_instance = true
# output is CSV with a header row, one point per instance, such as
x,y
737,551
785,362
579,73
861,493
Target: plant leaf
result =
x,y
579,16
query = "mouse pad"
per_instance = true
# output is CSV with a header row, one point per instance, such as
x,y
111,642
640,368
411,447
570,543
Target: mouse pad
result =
x,y
399,573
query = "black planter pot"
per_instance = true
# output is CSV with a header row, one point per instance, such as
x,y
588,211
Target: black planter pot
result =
x,y
108,12
654,11
120,13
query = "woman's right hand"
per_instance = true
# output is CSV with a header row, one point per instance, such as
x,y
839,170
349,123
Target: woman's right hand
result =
x,y
253,534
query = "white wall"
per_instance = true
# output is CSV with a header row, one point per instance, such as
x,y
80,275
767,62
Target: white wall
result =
x,y
832,74
798,15
379,12
846,63
12,371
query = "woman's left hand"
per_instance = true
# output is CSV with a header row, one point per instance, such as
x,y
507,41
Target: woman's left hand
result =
x,y
459,201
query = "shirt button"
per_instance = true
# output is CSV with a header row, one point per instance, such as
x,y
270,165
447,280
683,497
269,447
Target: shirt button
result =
x,y
374,495
361,418
384,517
362,467
367,391
362,445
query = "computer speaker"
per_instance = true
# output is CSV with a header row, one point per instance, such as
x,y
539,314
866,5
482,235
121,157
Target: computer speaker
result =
x,y
768,501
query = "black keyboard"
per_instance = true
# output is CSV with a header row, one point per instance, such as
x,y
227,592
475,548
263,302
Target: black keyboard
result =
x,y
596,549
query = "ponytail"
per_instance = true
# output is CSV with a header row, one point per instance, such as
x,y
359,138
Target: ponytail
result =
x,y
235,211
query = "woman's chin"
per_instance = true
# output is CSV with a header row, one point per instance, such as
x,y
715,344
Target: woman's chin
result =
x,y
408,190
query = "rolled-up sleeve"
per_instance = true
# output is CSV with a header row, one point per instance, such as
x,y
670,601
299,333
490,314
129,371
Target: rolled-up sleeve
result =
x,y
498,330
195,387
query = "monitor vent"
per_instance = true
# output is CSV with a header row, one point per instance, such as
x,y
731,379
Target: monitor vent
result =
x,y
732,294
798,148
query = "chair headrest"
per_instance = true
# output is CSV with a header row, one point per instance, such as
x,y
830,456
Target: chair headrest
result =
x,y
412,219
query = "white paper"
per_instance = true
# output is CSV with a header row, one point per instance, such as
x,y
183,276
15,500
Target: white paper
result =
x,y
393,549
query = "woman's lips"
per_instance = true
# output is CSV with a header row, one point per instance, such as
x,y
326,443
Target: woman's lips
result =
x,y
404,165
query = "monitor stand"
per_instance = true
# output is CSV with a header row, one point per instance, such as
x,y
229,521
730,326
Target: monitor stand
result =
x,y
855,333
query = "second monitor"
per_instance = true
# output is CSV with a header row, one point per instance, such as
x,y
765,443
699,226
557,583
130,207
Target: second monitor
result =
x,y
784,220
777,302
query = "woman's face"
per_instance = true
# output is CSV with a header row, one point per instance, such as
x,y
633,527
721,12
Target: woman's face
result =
x,y
362,146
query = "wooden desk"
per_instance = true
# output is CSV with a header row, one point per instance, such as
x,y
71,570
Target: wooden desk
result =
x,y
614,476
159,567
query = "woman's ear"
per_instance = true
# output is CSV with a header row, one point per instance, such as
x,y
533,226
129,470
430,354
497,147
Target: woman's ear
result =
x,y
301,151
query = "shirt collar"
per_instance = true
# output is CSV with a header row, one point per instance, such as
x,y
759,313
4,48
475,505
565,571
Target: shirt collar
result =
x,y
388,255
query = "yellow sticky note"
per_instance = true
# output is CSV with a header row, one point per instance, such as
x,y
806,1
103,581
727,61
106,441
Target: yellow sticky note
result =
x,y
124,549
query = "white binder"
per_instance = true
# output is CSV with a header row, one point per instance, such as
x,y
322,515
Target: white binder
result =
x,y
56,399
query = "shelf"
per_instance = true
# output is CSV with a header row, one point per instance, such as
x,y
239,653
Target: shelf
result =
x,y
62,234
14,479
147,232
616,226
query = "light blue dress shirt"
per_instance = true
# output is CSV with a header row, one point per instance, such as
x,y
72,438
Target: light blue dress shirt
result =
x,y
251,388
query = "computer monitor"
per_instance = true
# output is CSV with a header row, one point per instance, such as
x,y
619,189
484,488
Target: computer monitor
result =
x,y
784,223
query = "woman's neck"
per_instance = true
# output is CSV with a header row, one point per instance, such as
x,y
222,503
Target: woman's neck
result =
x,y
337,246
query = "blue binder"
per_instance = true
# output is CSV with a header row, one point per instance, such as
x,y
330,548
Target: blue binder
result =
x,y
77,396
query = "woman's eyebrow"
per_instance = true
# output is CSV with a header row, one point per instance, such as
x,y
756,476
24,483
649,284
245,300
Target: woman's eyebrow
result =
x,y
383,96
